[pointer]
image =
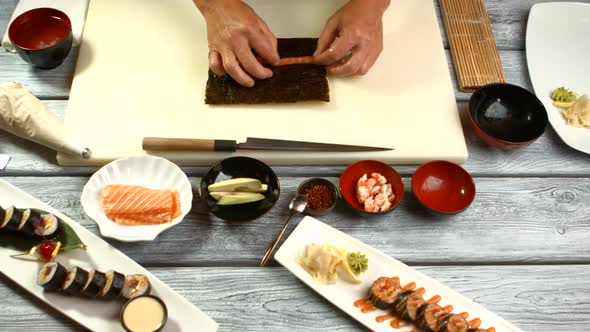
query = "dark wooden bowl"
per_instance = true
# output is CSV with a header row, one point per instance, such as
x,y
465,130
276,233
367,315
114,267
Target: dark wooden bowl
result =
x,y
354,172
42,37
507,116
443,187
240,167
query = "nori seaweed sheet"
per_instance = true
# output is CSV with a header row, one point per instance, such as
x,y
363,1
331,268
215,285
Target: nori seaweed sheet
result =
x,y
289,84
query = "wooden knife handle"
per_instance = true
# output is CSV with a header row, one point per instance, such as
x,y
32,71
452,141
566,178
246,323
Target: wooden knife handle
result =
x,y
187,144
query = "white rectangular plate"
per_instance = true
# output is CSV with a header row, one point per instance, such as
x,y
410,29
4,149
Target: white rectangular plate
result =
x,y
343,294
558,54
93,314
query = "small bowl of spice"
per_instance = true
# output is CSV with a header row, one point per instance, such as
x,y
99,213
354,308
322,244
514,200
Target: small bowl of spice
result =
x,y
322,196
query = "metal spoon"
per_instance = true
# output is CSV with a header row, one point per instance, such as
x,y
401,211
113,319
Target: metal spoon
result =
x,y
297,204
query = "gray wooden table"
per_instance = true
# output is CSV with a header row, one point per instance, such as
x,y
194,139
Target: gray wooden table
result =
x,y
522,249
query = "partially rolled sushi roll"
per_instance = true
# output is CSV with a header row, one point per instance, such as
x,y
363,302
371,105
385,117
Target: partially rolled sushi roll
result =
x,y
136,285
94,284
75,281
52,276
113,286
48,227
12,219
29,221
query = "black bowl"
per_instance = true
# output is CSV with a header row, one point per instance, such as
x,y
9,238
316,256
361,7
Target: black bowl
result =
x,y
42,37
240,167
507,116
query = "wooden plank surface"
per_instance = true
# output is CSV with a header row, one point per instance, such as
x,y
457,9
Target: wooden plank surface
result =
x,y
512,220
544,157
534,298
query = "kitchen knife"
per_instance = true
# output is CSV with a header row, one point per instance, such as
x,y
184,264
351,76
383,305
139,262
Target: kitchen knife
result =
x,y
252,143
4,159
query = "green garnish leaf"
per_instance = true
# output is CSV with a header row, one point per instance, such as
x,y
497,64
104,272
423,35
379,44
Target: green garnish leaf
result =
x,y
358,262
563,95
68,238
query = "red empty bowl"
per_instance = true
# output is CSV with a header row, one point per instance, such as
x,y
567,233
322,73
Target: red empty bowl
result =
x,y
443,186
351,175
42,37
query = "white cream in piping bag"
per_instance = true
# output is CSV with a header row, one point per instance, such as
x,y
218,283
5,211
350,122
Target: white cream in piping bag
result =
x,y
23,115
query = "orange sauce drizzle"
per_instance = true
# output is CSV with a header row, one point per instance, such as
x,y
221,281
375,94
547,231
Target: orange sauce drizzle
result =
x,y
360,302
382,318
420,291
474,323
434,299
448,308
398,323
410,286
464,315
491,329
396,279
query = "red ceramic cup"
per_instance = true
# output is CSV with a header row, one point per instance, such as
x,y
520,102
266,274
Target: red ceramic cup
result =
x,y
444,187
42,37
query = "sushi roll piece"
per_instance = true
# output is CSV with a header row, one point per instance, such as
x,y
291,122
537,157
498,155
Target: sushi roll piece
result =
x,y
383,292
113,287
407,307
136,285
29,221
12,219
75,280
429,315
453,323
51,276
48,227
94,283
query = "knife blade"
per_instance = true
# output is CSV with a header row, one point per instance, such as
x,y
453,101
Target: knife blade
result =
x,y
252,143
4,159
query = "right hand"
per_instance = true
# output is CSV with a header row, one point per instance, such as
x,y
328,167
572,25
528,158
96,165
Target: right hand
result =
x,y
233,30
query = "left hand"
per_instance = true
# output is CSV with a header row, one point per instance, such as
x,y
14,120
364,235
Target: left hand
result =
x,y
352,38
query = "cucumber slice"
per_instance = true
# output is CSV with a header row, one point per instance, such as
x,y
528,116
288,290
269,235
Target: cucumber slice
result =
x,y
239,184
240,198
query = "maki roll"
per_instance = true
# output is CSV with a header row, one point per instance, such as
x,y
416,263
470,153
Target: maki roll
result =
x,y
429,315
113,287
94,283
12,219
453,323
136,285
29,221
51,276
75,280
48,227
408,306
383,292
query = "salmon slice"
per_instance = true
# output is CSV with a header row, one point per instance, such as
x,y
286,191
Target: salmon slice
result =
x,y
137,205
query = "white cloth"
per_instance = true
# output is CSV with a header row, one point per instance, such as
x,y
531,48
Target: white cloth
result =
x,y
23,115
75,9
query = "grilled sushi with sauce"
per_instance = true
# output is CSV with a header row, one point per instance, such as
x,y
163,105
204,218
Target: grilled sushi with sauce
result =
x,y
29,222
384,292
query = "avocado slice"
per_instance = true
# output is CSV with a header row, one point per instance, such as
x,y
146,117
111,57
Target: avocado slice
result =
x,y
218,194
239,198
238,184
262,189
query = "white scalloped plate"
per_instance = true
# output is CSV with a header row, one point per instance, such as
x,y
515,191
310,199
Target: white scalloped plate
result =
x,y
148,171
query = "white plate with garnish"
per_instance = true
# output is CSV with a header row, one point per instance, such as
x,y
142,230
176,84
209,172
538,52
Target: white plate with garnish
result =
x,y
347,295
558,54
148,172
93,314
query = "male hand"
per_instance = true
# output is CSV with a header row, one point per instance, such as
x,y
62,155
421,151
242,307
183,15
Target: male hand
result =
x,y
352,38
233,30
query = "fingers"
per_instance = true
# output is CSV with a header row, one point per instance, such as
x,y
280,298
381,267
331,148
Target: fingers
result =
x,y
233,68
350,65
250,63
266,47
336,51
215,63
327,37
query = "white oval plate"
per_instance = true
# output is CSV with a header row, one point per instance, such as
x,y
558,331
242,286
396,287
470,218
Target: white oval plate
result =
x,y
148,171
558,54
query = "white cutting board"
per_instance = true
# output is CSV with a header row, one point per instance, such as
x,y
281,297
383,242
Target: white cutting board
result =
x,y
142,70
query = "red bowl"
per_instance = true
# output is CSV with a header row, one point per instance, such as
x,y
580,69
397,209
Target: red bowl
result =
x,y
507,116
354,172
443,187
42,37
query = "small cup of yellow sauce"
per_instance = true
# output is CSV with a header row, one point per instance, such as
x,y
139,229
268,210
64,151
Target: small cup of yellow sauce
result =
x,y
146,313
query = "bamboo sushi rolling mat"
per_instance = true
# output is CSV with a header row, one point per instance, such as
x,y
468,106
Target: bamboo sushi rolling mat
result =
x,y
473,47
